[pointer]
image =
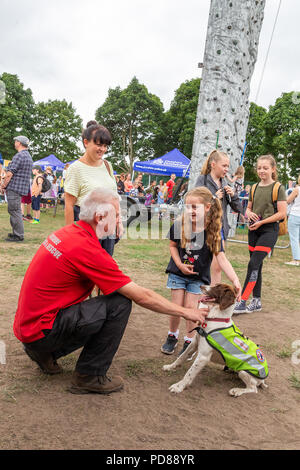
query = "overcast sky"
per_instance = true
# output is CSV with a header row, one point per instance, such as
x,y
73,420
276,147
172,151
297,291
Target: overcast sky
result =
x,y
78,49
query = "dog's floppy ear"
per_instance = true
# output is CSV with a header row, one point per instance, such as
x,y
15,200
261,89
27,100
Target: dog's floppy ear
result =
x,y
227,298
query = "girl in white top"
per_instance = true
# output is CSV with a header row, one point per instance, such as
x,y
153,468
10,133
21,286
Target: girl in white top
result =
x,y
91,171
294,224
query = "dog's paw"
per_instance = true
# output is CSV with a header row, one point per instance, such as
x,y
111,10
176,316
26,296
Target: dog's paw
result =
x,y
236,392
177,388
168,367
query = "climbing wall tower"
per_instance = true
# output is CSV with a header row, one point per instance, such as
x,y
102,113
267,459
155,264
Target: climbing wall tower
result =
x,y
230,54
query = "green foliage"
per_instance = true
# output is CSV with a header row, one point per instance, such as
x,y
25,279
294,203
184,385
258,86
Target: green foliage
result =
x,y
255,138
283,134
181,117
16,114
135,119
57,131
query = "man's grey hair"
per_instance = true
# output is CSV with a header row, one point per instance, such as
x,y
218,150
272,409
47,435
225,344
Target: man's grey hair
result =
x,y
96,202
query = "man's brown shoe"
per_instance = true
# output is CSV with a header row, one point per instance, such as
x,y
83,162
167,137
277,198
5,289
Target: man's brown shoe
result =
x,y
44,360
82,384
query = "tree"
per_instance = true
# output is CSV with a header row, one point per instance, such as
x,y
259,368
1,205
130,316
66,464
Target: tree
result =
x,y
256,140
16,113
135,119
181,117
57,131
283,135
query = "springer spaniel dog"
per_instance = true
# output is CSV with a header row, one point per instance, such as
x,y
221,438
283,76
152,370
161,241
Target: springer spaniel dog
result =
x,y
221,301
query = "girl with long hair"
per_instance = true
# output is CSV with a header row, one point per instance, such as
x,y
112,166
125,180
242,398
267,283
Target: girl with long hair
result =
x,y
263,216
195,238
213,176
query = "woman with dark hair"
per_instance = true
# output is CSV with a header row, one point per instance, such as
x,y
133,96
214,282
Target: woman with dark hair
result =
x,y
91,171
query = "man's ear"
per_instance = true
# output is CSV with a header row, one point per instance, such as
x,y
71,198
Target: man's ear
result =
x,y
99,216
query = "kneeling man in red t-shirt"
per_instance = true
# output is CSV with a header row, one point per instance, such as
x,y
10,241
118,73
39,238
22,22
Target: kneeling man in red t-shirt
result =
x,y
54,318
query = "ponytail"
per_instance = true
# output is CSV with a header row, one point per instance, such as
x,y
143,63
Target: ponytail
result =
x,y
214,156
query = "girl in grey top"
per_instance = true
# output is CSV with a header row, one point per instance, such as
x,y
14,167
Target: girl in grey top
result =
x,y
212,176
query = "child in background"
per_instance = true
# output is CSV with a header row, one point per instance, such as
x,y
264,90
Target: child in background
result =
x,y
194,238
238,179
26,201
36,190
213,176
134,192
263,230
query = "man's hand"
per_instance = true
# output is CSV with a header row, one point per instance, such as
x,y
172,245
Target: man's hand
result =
x,y
196,315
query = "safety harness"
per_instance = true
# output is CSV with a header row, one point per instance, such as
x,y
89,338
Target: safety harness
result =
x,y
238,351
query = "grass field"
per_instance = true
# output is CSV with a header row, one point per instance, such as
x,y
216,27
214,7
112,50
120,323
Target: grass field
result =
x,y
143,255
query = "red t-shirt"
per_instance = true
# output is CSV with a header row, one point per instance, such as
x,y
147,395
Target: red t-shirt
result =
x,y
170,184
63,272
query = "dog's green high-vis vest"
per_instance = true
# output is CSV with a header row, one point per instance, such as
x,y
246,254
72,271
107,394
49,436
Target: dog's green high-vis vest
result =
x,y
238,352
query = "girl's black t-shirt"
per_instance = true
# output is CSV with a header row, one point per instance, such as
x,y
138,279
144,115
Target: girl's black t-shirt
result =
x,y
196,253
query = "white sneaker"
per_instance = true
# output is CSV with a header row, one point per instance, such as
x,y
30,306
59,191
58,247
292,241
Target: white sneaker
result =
x,y
293,263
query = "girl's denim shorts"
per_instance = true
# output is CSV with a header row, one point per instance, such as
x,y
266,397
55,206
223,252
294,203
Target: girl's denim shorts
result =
x,y
178,282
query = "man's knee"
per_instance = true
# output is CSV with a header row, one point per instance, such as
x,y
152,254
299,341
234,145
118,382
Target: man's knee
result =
x,y
118,304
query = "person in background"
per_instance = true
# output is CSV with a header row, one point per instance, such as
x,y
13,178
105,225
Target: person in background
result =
x,y
120,184
237,179
213,176
128,185
134,192
26,201
263,230
16,183
294,224
36,192
160,193
64,173
139,180
169,186
244,194
89,172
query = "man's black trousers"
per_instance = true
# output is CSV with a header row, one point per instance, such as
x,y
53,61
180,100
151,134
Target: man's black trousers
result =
x,y
96,324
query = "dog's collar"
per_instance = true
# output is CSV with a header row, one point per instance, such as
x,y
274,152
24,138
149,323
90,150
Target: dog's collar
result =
x,y
223,320
201,328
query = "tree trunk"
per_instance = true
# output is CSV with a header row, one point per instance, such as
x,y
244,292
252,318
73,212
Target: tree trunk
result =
x,y
229,59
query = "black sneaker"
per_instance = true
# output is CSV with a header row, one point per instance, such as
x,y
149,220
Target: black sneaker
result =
x,y
170,345
185,345
14,238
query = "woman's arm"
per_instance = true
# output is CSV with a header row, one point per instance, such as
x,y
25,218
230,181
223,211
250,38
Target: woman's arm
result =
x,y
293,195
70,202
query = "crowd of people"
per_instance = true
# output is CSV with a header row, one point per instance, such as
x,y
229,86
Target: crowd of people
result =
x,y
161,192
80,255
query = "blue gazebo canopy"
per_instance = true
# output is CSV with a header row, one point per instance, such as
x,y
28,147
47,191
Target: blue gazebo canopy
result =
x,y
52,161
172,162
